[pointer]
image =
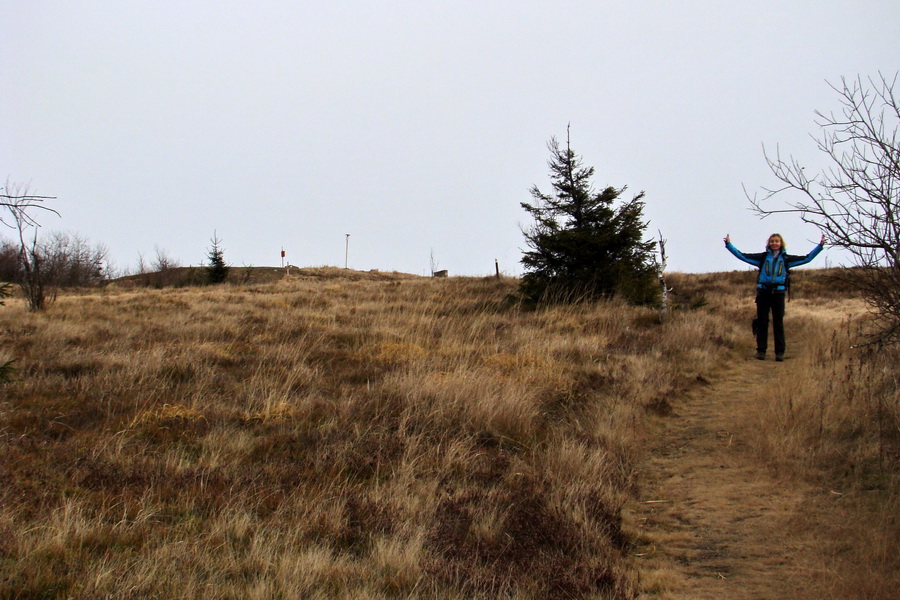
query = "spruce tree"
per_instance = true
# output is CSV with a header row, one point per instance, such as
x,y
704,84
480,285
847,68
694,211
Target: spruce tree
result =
x,y
217,271
585,245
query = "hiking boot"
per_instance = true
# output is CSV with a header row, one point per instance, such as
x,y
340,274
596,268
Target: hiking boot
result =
x,y
760,356
779,358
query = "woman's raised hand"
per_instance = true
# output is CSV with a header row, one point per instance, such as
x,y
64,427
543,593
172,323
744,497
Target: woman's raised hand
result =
x,y
728,237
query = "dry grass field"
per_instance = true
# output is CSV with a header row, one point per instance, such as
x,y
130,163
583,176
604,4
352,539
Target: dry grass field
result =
x,y
336,434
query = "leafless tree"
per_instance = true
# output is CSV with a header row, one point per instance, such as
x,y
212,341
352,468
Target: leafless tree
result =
x,y
164,268
141,266
661,272
856,200
163,261
20,205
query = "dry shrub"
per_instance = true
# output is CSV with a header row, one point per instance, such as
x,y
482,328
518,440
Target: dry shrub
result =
x,y
839,413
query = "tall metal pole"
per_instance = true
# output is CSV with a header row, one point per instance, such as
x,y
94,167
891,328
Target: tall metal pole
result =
x,y
346,250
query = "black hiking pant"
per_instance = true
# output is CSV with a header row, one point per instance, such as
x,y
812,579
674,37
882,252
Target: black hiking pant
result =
x,y
769,301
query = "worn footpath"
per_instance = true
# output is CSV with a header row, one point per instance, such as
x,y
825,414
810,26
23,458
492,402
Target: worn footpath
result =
x,y
712,521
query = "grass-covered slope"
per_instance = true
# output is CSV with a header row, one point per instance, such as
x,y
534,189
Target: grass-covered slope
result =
x,y
327,436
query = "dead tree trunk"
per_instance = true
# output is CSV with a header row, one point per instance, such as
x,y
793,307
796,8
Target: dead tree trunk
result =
x,y
664,291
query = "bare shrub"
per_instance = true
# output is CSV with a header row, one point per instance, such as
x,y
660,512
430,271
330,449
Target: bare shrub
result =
x,y
72,261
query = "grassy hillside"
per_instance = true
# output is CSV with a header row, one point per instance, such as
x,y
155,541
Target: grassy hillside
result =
x,y
333,434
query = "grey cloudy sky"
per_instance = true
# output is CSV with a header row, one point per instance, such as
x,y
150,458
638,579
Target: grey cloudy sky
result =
x,y
414,126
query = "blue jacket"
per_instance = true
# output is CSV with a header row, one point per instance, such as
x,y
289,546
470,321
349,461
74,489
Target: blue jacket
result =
x,y
772,268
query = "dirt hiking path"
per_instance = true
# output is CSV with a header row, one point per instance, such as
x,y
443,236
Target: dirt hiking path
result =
x,y
712,521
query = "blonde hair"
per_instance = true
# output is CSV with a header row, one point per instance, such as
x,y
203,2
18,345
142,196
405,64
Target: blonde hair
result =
x,y
776,235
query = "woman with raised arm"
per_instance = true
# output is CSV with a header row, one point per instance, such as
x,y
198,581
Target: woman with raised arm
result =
x,y
771,285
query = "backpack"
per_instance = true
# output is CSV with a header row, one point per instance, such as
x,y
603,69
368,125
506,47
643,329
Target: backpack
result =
x,y
787,276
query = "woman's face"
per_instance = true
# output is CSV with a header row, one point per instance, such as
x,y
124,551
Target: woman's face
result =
x,y
774,243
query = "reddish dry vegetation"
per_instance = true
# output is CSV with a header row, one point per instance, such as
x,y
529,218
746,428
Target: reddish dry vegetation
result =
x,y
330,436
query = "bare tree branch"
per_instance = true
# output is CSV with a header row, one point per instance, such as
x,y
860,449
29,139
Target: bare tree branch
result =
x,y
18,201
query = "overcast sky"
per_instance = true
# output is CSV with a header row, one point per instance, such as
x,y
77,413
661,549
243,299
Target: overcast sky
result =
x,y
417,127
